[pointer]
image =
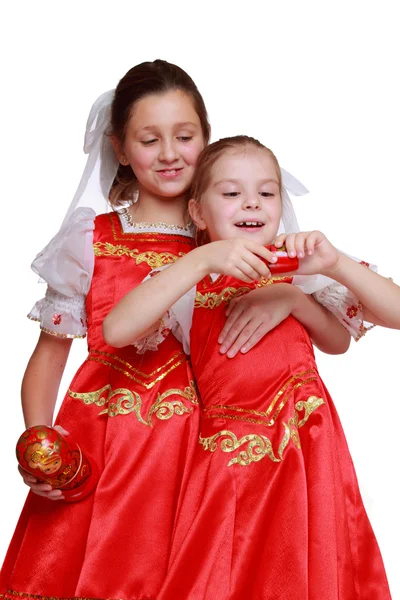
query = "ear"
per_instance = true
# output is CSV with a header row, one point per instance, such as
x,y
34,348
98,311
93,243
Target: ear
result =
x,y
196,214
119,150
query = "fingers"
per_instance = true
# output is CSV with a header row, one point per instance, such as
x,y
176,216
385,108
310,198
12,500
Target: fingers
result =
x,y
233,317
280,240
258,334
41,489
239,337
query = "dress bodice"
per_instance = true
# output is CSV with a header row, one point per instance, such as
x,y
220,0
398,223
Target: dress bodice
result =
x,y
283,355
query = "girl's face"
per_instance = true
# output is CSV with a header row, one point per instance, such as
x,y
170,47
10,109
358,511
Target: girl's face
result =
x,y
243,199
162,143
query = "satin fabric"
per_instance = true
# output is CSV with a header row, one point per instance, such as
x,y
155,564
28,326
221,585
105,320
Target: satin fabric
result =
x,y
261,520
115,543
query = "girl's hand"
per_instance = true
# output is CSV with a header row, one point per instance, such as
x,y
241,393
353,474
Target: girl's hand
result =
x,y
314,251
40,488
252,316
240,258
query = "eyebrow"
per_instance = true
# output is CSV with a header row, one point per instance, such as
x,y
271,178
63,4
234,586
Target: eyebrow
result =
x,y
176,126
230,180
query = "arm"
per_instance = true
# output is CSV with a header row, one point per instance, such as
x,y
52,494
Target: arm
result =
x,y
325,331
42,379
379,296
39,394
139,311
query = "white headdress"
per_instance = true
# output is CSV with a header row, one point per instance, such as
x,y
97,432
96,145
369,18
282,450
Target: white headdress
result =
x,y
102,164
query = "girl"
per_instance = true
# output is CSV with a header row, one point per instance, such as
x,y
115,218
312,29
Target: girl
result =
x,y
272,508
135,415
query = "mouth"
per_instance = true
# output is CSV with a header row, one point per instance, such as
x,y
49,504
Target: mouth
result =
x,y
170,173
250,224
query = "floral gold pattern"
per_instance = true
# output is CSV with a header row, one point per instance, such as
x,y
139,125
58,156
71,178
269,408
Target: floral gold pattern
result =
x,y
212,300
124,402
259,446
155,260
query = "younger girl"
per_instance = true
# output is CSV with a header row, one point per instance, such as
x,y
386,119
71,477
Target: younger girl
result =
x,y
272,508
134,415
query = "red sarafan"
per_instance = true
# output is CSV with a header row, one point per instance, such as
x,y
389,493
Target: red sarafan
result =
x,y
56,460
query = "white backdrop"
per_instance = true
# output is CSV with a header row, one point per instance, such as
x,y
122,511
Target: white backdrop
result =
x,y
316,81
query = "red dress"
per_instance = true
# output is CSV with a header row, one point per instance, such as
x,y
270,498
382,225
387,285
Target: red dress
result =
x,y
136,415
272,509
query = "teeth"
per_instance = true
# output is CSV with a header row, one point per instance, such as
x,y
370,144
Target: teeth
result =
x,y
250,224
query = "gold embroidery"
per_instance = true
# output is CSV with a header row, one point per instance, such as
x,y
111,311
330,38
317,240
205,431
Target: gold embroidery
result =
x,y
212,300
155,260
13,593
286,390
179,357
259,446
124,402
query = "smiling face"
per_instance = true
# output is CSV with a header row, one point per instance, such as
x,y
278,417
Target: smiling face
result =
x,y
162,143
242,199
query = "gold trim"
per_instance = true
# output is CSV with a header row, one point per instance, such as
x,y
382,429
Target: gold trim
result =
x,y
118,359
70,336
289,383
258,446
146,237
160,224
122,401
136,375
11,594
154,260
148,386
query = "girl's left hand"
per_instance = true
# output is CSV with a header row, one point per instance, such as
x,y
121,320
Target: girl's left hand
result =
x,y
314,251
252,316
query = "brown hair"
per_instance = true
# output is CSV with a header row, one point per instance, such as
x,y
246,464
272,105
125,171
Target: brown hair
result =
x,y
207,159
148,78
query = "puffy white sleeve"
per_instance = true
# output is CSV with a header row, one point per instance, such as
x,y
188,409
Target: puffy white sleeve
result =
x,y
177,320
339,300
66,265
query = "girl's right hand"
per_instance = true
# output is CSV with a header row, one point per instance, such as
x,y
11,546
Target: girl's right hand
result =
x,y
38,487
239,258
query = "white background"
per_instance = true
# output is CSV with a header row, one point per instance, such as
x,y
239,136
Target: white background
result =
x,y
315,81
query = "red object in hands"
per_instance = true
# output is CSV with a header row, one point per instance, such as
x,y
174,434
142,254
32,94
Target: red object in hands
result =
x,y
56,460
285,263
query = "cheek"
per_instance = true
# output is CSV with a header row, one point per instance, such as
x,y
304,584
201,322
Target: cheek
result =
x,y
140,158
190,152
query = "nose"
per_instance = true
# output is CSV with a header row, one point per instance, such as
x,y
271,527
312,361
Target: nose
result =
x,y
252,202
168,152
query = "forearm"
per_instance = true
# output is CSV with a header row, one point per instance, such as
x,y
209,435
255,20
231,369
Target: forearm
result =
x,y
141,308
379,296
327,334
42,379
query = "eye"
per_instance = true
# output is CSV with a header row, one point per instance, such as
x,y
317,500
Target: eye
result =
x,y
185,138
230,194
149,142
266,194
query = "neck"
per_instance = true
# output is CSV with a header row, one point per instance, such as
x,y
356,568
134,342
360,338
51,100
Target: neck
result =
x,y
153,209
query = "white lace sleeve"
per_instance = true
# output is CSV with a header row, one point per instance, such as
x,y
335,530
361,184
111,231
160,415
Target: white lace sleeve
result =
x,y
66,264
345,306
177,320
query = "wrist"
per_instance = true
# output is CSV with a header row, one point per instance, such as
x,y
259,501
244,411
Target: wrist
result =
x,y
338,271
201,262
